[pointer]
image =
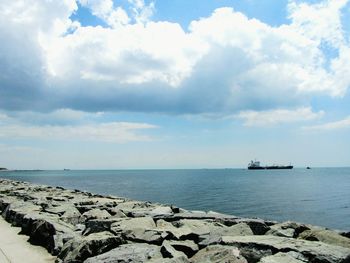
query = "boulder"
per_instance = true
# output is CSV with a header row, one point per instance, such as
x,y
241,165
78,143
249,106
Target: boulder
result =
x,y
98,225
177,233
168,251
47,231
134,252
218,254
325,236
125,224
289,257
79,249
145,236
188,247
72,216
254,248
96,214
287,229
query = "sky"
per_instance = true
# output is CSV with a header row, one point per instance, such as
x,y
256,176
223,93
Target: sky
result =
x,y
162,84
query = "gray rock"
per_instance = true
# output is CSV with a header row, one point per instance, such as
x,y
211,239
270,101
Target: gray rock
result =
x,y
287,229
178,233
136,253
255,247
218,254
325,236
96,214
145,236
290,257
79,249
125,224
72,216
168,251
188,247
98,225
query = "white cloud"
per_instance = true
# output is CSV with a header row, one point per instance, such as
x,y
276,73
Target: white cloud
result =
x,y
336,125
104,9
279,116
225,63
115,132
320,21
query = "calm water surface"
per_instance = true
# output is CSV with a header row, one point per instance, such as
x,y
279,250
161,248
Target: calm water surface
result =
x,y
319,196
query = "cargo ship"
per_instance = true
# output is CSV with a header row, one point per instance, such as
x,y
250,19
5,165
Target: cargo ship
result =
x,y
255,165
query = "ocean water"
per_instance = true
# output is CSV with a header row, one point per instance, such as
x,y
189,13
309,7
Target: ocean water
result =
x,y
319,196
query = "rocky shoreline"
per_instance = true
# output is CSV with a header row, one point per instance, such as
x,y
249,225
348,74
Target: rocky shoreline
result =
x,y
78,226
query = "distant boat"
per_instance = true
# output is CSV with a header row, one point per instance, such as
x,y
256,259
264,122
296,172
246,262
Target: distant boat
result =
x,y
255,165
308,167
65,169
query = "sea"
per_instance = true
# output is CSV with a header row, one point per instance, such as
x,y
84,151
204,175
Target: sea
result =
x,y
318,196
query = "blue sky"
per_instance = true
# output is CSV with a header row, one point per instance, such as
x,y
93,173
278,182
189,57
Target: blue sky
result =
x,y
102,84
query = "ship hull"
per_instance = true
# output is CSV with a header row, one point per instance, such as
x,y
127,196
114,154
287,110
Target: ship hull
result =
x,y
271,167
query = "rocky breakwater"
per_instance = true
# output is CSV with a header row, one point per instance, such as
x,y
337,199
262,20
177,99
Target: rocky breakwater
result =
x,y
78,226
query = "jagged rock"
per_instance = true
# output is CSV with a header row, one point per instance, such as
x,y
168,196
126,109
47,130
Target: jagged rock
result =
x,y
178,232
287,229
47,231
136,253
258,226
145,236
188,247
289,257
325,236
79,249
72,216
168,251
218,254
240,229
98,225
136,208
125,224
141,229
256,247
180,259
96,214
16,211
116,212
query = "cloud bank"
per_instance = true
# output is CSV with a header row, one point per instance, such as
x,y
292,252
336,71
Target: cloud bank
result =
x,y
224,63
